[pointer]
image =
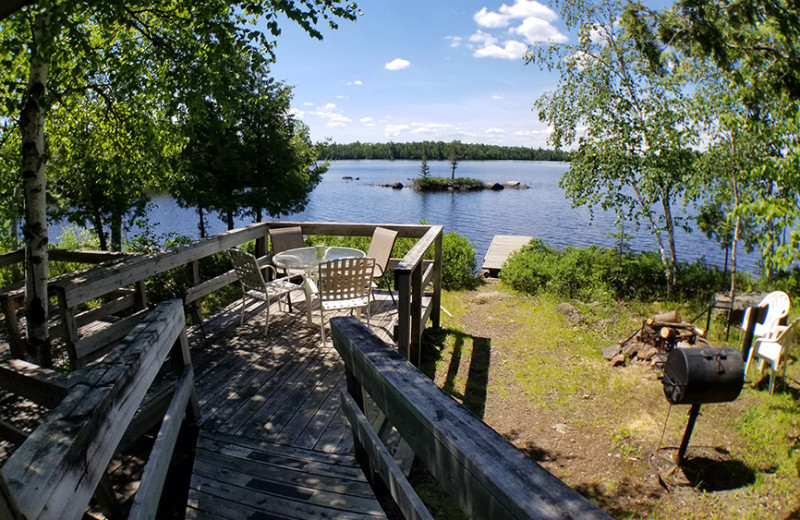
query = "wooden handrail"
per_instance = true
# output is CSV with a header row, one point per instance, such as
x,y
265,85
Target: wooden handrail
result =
x,y
411,278
485,474
100,280
54,473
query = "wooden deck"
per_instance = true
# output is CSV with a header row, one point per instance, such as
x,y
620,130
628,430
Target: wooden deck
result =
x,y
273,441
499,250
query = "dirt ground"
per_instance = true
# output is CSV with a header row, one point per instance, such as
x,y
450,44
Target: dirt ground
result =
x,y
606,436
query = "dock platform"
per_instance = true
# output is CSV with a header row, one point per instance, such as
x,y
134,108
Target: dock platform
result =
x,y
500,249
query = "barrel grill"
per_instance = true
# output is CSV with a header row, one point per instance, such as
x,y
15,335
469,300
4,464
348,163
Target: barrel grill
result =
x,y
703,375
698,376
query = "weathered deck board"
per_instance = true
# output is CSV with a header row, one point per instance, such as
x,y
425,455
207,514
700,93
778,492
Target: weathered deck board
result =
x,y
274,442
499,250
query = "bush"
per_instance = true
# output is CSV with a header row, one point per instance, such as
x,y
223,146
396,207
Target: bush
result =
x,y
596,273
444,184
458,263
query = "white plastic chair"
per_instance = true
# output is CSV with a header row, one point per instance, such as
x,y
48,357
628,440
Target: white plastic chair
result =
x,y
343,284
778,305
773,349
253,285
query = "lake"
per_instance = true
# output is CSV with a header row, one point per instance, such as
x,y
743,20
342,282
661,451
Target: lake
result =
x,y
541,211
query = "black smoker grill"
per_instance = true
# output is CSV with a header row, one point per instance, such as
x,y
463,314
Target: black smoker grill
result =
x,y
698,376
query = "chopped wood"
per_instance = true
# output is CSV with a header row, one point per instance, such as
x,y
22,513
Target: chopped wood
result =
x,y
669,317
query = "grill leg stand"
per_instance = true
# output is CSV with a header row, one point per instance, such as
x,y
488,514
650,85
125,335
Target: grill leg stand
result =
x,y
694,411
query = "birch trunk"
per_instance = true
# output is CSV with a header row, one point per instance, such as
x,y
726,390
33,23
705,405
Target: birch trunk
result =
x,y
31,122
673,257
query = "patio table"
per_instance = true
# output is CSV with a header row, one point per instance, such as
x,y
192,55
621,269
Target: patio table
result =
x,y
307,260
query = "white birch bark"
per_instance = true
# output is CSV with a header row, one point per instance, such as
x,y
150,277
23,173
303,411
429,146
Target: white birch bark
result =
x,y
31,123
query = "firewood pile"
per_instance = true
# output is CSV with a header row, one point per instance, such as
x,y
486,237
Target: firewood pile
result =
x,y
657,337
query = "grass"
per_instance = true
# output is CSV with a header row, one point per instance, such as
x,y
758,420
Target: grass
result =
x,y
539,379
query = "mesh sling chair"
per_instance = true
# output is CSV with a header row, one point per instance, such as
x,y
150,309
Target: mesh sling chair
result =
x,y
287,238
343,284
253,285
380,248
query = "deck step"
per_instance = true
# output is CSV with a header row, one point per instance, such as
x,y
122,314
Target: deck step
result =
x,y
235,477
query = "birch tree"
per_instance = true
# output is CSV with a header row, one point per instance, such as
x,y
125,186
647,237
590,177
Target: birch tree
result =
x,y
160,48
627,120
755,48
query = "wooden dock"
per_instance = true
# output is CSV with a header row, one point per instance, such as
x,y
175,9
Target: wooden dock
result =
x,y
273,441
500,249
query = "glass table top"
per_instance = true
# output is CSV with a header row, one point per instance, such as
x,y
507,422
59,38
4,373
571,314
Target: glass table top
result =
x,y
310,257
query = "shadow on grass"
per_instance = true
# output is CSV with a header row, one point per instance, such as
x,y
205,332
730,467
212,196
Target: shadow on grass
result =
x,y
478,351
706,474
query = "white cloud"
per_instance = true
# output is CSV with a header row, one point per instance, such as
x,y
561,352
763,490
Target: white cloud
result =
x,y
332,114
430,128
528,19
395,130
536,30
455,41
483,39
511,50
356,83
497,98
495,131
367,121
529,9
397,64
485,18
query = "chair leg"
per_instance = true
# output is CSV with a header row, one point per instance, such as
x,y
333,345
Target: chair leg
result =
x,y
389,288
266,319
241,318
749,359
322,324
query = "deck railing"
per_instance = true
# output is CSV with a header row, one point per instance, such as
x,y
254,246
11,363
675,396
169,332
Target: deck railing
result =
x,y
55,472
486,475
121,284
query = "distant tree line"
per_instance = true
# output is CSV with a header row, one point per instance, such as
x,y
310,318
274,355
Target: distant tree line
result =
x,y
437,151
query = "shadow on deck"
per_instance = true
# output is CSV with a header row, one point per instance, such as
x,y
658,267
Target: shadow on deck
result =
x,y
273,440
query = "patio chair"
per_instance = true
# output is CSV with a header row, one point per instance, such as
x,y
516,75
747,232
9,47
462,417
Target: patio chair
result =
x,y
287,238
773,349
253,285
343,284
778,305
380,248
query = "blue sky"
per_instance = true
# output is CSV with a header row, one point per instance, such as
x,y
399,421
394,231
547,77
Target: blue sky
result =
x,y
414,70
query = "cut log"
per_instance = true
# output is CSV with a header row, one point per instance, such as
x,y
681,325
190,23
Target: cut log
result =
x,y
668,317
667,332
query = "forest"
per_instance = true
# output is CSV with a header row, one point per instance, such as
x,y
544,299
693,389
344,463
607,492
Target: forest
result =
x,y
437,151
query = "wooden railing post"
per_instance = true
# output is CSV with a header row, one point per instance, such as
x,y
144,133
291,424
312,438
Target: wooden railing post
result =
x,y
402,280
195,307
141,296
16,343
415,345
68,323
436,300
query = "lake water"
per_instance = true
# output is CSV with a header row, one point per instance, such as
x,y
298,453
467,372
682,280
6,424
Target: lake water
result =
x,y
541,211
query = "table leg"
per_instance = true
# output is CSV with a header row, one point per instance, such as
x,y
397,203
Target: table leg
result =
x,y
308,299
